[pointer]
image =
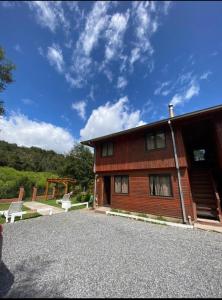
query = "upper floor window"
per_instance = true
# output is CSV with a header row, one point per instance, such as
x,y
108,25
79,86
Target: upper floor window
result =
x,y
155,140
121,184
107,149
199,155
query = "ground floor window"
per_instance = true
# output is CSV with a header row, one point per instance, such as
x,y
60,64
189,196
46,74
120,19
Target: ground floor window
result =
x,y
160,185
121,184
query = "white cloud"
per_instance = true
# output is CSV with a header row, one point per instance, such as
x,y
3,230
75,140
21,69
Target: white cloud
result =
x,y
190,92
143,19
25,132
109,118
106,28
40,50
80,107
55,57
159,90
72,81
115,33
122,82
135,55
148,108
146,18
205,75
166,7
95,23
49,14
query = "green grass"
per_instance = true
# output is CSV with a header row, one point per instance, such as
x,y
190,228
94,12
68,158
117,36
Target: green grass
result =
x,y
52,202
5,206
77,207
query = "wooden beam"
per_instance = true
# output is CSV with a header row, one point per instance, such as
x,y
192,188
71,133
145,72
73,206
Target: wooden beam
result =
x,y
66,188
46,190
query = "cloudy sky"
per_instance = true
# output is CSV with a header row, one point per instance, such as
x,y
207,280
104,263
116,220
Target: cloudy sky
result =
x,y
86,69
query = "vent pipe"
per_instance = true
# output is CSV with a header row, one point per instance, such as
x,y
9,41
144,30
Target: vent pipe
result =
x,y
171,111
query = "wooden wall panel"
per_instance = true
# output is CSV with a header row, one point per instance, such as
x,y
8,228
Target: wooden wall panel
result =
x,y
130,154
218,126
139,200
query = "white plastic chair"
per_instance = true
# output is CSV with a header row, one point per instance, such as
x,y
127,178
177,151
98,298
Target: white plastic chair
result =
x,y
66,197
14,210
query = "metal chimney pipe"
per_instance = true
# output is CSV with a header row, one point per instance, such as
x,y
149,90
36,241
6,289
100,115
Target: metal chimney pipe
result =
x,y
171,111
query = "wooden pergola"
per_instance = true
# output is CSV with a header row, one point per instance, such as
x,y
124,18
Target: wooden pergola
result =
x,y
64,181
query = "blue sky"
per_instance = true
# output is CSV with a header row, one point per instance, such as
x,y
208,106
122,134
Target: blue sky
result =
x,y
86,69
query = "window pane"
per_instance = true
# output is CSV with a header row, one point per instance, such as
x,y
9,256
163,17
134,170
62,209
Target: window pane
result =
x,y
125,184
150,140
117,184
160,185
199,155
160,140
166,186
152,184
110,149
104,150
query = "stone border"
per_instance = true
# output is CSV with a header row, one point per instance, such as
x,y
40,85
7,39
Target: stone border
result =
x,y
149,220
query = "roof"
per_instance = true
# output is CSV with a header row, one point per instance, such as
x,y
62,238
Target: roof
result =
x,y
153,124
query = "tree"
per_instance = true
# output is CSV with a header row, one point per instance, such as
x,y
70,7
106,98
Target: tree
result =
x,y
79,165
6,68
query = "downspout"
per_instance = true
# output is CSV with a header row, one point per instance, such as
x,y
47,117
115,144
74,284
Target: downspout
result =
x,y
94,171
178,173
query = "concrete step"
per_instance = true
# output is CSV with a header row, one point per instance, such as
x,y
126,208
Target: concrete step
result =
x,y
102,209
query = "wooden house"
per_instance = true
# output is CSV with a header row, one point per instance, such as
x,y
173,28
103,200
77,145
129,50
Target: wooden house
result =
x,y
170,168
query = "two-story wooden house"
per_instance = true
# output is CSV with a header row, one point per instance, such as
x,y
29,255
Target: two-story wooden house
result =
x,y
170,168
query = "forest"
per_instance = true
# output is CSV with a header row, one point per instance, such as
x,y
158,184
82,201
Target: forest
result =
x,y
28,167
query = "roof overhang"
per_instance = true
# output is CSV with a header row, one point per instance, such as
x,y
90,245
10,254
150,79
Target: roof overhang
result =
x,y
92,142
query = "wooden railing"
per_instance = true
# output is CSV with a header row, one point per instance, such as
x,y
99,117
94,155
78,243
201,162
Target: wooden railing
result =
x,y
217,197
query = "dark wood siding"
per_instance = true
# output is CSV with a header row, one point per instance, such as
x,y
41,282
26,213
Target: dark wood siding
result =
x,y
218,125
139,199
130,154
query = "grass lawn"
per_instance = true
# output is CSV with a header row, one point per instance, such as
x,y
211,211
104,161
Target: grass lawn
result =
x,y
53,203
5,206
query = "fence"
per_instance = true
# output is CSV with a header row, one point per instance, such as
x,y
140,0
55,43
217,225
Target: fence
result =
x,y
33,197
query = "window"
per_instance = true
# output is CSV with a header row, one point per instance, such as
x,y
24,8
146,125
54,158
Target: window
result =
x,y
199,155
107,149
155,140
122,184
160,185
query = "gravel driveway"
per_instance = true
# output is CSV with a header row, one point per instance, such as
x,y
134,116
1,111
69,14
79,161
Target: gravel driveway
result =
x,y
84,254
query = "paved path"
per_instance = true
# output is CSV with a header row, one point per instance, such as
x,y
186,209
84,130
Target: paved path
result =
x,y
34,205
84,254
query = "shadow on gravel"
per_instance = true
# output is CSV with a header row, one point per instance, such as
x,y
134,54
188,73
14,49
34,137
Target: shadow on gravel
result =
x,y
30,282
6,279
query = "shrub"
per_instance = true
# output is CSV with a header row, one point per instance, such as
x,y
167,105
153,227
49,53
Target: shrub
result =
x,y
11,180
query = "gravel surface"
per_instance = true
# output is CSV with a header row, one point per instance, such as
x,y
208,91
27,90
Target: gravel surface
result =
x,y
84,254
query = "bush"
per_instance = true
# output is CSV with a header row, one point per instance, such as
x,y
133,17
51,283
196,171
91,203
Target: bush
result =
x,y
11,180
83,197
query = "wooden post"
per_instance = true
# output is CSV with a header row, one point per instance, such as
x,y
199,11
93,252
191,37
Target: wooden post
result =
x,y
46,191
66,188
21,193
34,193
53,192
